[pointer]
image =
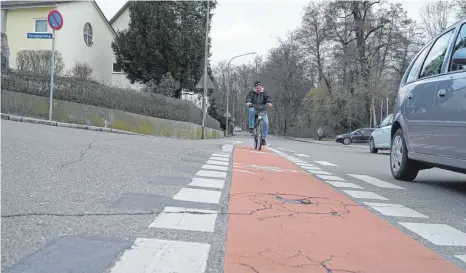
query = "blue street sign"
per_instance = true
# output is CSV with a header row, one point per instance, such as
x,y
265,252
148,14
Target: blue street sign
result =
x,y
39,35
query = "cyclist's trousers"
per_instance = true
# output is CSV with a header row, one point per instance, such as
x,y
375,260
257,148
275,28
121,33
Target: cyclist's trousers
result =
x,y
252,113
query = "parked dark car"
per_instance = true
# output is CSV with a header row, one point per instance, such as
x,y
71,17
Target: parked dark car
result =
x,y
429,128
358,136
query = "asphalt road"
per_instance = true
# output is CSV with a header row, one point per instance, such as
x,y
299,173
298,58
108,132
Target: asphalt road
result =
x,y
77,201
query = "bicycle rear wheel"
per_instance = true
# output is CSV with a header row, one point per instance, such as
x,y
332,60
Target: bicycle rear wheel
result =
x,y
259,135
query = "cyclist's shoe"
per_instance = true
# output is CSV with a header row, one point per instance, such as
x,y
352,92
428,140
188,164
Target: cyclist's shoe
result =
x,y
264,143
251,130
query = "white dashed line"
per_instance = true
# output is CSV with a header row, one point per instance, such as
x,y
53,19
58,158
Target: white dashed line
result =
x,y
395,210
375,181
325,163
186,219
219,158
148,255
198,195
438,234
365,195
207,183
344,185
214,167
318,172
305,165
221,155
214,162
211,174
330,177
310,168
461,257
302,155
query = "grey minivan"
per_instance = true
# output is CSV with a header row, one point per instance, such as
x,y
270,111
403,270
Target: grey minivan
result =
x,y
429,126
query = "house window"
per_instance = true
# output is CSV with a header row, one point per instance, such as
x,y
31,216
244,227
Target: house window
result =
x,y
117,68
88,38
40,25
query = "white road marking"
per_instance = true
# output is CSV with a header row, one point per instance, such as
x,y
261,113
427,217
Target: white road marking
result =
x,y
461,257
244,171
318,172
281,148
211,174
395,210
214,162
198,195
214,167
438,234
186,219
163,256
365,195
302,155
375,181
207,183
221,155
331,177
344,185
305,164
219,158
325,163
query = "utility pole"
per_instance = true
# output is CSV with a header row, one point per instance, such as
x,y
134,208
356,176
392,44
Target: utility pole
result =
x,y
206,49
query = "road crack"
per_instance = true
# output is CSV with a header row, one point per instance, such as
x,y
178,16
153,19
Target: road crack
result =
x,y
81,156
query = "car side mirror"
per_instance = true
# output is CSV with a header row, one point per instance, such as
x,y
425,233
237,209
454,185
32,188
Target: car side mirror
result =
x,y
459,57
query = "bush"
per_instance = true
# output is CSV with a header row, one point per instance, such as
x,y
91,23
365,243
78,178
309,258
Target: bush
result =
x,y
166,87
38,61
81,71
93,93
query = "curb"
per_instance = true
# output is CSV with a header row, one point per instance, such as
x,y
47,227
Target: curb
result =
x,y
64,124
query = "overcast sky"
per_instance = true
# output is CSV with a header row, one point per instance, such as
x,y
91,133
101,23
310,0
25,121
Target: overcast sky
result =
x,y
241,26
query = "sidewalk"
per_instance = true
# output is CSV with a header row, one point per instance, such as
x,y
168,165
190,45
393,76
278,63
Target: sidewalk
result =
x,y
283,219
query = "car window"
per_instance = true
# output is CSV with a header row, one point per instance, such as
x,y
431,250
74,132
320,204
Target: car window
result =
x,y
433,64
460,43
414,72
386,121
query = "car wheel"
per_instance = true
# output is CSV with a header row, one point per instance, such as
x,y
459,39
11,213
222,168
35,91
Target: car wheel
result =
x,y
401,166
347,141
372,148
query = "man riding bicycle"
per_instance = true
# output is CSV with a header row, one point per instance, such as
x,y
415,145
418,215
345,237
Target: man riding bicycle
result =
x,y
257,100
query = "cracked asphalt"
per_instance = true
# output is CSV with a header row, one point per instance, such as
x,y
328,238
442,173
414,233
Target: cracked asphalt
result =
x,y
74,200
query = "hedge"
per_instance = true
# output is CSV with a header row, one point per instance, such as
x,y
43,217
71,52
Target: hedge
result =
x,y
96,94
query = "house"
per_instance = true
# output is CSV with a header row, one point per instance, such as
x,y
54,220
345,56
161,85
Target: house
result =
x,y
120,22
86,35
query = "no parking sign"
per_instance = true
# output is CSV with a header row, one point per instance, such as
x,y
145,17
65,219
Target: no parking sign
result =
x,y
55,20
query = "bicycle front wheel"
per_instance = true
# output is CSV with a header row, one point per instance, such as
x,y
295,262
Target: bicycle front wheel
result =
x,y
259,135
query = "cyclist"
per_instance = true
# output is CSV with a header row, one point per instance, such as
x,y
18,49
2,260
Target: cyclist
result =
x,y
260,99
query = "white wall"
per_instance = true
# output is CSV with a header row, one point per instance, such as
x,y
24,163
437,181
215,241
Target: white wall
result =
x,y
70,39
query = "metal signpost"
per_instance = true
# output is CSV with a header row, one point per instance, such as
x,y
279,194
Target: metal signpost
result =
x,y
206,48
55,20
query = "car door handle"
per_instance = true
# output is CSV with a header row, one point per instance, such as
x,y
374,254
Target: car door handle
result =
x,y
442,93
410,96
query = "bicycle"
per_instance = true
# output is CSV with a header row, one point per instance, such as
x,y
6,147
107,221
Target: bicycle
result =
x,y
258,128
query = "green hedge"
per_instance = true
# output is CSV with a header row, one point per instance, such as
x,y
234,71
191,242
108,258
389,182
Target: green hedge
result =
x,y
93,93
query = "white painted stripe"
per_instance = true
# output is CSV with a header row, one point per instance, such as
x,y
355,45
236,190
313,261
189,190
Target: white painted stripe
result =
x,y
312,168
304,164
375,181
395,210
438,234
280,148
163,256
222,155
207,183
198,195
214,167
302,155
365,195
186,219
219,158
325,163
214,162
331,177
344,185
461,257
318,172
211,174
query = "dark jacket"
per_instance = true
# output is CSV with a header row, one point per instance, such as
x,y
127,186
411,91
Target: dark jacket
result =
x,y
258,99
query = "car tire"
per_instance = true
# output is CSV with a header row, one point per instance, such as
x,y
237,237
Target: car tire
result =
x,y
372,148
401,166
347,141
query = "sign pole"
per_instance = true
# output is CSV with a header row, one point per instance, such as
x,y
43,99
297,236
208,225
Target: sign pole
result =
x,y
52,68
204,101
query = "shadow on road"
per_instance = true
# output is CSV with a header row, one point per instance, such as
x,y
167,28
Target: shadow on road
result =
x,y
458,186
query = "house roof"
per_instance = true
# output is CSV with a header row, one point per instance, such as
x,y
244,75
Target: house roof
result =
x,y
29,4
125,6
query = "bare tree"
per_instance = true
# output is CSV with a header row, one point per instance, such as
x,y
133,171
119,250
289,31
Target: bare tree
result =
x,y
434,16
